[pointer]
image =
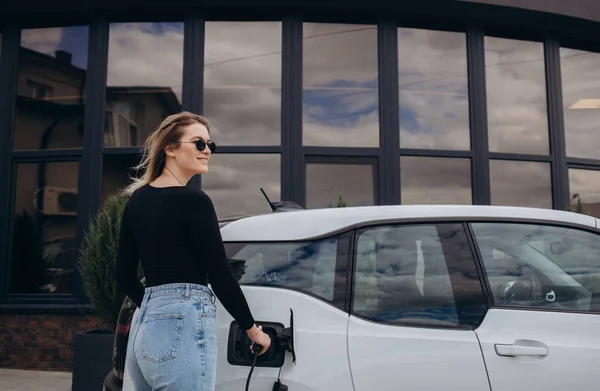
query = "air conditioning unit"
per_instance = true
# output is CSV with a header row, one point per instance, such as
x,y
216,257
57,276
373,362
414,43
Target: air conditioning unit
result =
x,y
59,201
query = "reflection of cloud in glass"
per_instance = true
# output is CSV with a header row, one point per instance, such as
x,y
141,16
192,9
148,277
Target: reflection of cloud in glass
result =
x,y
242,82
435,180
520,183
432,75
516,96
234,181
581,101
340,89
585,184
326,182
73,40
146,55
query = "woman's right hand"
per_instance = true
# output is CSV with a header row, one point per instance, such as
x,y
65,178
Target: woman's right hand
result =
x,y
259,337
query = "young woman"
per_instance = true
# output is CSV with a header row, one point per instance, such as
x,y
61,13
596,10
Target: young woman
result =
x,y
173,231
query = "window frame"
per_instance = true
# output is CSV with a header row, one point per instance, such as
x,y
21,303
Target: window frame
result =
x,y
484,276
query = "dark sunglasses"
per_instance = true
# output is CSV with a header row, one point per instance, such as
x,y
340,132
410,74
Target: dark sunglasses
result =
x,y
201,144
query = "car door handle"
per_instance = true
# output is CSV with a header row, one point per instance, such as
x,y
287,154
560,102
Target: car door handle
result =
x,y
513,350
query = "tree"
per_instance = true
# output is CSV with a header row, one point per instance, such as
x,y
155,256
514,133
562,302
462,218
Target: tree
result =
x,y
97,260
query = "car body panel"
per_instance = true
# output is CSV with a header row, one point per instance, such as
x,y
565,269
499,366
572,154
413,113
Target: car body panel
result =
x,y
573,350
320,343
386,357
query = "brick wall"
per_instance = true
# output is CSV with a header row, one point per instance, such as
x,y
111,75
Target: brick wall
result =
x,y
42,342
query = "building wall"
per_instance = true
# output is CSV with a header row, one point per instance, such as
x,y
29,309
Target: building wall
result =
x,y
307,109
41,342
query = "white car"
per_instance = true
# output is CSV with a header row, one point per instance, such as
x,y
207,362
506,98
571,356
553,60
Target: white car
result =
x,y
416,298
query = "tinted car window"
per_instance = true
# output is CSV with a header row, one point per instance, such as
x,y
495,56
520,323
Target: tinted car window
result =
x,y
315,267
407,274
541,266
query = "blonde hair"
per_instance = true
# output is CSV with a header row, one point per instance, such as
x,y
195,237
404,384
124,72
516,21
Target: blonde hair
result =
x,y
154,158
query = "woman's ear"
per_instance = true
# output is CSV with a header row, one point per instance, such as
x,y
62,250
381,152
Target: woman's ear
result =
x,y
169,151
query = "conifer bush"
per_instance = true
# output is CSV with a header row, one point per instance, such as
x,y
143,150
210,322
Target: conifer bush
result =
x,y
98,255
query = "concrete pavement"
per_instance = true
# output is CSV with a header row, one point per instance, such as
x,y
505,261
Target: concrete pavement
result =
x,y
18,380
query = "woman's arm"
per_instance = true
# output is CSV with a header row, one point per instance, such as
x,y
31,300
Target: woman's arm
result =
x,y
127,263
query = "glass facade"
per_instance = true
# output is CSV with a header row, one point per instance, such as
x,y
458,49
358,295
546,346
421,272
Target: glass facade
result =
x,y
307,111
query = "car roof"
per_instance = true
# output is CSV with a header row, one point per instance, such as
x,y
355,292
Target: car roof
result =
x,y
306,224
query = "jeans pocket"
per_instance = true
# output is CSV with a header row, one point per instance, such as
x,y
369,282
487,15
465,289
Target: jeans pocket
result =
x,y
161,337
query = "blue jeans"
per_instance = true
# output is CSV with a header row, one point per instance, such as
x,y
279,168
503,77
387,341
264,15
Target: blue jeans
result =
x,y
173,340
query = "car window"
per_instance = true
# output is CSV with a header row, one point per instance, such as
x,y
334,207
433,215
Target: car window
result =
x,y
541,266
401,276
309,267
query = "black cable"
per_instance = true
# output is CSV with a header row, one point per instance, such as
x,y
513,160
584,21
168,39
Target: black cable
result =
x,y
256,348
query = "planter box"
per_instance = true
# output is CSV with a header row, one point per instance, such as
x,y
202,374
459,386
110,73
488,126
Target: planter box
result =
x,y
92,359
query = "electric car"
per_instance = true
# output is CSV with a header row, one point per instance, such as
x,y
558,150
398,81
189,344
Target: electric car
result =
x,y
414,297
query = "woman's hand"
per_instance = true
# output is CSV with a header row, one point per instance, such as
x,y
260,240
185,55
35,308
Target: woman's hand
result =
x,y
258,336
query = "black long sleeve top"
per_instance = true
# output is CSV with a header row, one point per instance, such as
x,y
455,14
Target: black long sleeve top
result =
x,y
174,233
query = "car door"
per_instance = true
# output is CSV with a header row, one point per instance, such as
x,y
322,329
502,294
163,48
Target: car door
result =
x,y
296,291
544,281
416,299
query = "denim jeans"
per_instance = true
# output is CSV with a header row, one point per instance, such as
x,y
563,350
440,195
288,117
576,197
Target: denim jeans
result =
x,y
173,340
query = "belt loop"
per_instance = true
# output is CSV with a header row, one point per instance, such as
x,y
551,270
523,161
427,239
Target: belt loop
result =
x,y
187,291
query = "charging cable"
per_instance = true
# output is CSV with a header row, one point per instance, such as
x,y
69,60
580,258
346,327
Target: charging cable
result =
x,y
256,348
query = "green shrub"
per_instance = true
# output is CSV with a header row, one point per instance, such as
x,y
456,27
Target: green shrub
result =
x,y
97,260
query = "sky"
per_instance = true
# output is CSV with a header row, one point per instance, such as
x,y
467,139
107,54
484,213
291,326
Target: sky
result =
x,y
242,98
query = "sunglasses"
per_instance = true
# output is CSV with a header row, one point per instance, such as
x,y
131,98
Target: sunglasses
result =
x,y
201,144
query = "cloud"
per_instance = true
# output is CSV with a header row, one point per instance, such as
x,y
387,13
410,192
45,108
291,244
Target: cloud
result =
x,y
581,80
234,181
520,183
46,40
146,54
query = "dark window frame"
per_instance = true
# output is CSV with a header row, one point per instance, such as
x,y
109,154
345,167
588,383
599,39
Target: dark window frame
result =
x,y
293,155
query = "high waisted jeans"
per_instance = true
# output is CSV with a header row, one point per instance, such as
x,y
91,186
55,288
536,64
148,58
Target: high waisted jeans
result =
x,y
173,340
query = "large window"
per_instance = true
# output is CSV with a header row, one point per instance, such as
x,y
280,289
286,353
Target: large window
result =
x,y
516,96
581,100
340,100
242,82
234,181
434,102
520,183
435,180
541,266
343,182
51,88
144,80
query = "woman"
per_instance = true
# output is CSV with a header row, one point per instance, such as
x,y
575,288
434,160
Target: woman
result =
x,y
173,231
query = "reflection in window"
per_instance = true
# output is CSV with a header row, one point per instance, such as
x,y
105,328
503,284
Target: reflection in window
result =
x,y
340,87
517,183
581,101
44,248
233,182
143,82
584,186
516,96
435,180
242,82
330,185
51,88
402,276
309,267
434,101
117,170
541,266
